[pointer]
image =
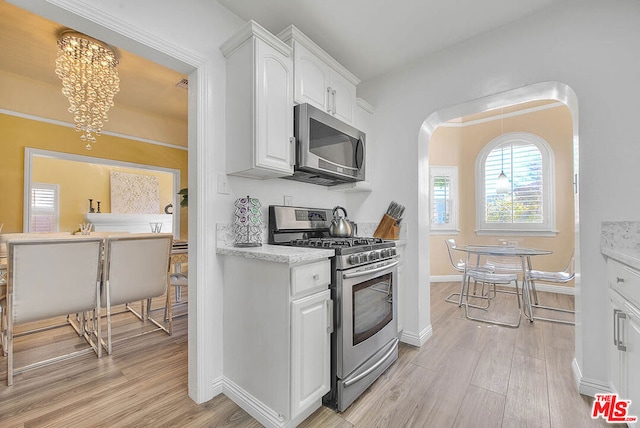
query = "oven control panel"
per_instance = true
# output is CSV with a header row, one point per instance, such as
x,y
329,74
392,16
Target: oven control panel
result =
x,y
369,256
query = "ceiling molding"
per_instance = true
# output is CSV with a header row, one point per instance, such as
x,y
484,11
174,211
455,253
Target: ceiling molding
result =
x,y
73,126
452,124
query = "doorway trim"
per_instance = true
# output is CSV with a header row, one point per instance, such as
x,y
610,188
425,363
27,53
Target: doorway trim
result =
x,y
94,22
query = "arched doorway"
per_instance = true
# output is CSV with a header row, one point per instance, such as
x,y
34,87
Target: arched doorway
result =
x,y
541,91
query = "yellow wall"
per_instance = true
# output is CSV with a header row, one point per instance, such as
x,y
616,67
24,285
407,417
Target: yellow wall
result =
x,y
461,146
95,184
18,133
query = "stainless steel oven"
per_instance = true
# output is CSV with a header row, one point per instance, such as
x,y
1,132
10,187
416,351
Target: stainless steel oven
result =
x,y
363,287
365,342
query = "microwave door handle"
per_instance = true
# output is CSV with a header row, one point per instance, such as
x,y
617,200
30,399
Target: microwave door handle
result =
x,y
359,149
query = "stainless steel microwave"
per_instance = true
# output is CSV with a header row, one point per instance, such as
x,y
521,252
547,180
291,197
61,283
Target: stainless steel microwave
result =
x,y
328,151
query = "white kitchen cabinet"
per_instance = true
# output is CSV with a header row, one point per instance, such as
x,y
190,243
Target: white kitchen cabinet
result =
x,y
624,353
311,320
319,79
259,107
278,321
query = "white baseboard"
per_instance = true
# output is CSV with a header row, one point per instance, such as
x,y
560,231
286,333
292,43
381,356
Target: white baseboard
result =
x,y
217,386
260,411
589,387
548,288
252,405
416,339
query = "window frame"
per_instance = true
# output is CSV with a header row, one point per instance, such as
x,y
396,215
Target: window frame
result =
x,y
453,227
56,205
548,226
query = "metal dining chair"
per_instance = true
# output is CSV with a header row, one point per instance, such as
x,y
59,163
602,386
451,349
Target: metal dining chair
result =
x,y
177,280
136,270
51,278
561,277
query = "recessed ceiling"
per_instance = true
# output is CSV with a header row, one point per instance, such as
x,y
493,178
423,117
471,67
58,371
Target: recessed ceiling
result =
x,y
28,48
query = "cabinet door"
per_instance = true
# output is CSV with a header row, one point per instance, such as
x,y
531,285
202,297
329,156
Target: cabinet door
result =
x,y
632,362
274,107
312,77
311,325
343,98
615,355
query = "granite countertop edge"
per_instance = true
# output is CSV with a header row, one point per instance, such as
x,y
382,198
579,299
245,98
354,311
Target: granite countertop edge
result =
x,y
277,253
629,258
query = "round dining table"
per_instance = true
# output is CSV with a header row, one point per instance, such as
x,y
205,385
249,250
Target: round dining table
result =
x,y
523,253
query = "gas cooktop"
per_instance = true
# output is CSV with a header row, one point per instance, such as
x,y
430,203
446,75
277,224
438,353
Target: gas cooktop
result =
x,y
309,227
342,245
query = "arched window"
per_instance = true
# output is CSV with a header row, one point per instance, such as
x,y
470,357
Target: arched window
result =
x,y
525,206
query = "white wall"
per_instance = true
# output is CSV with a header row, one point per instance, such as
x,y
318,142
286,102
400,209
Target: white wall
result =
x,y
589,45
191,30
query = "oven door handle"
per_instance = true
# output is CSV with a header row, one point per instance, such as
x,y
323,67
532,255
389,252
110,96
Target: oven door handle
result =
x,y
367,272
373,367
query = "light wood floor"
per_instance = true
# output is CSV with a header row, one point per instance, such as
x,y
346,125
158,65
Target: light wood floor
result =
x,y
469,374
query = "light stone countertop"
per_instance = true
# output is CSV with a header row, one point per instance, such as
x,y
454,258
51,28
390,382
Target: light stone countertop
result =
x,y
620,240
278,253
267,252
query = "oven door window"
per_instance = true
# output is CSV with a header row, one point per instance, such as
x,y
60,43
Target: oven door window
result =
x,y
372,307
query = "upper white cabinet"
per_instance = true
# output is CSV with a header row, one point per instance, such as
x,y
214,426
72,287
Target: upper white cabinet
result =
x,y
319,79
259,114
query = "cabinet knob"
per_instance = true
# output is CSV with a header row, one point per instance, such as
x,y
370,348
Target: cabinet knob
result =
x,y
618,279
316,277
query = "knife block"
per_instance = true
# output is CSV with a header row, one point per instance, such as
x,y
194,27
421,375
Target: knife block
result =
x,y
387,229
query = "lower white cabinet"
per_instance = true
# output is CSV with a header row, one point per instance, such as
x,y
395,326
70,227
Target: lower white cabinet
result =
x,y
624,345
277,337
311,320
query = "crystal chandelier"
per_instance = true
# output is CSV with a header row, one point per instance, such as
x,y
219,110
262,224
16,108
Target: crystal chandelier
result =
x,y
87,68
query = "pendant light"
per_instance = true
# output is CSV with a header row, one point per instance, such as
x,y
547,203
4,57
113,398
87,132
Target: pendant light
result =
x,y
502,183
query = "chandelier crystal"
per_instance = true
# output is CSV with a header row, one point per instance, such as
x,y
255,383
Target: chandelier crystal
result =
x,y
87,68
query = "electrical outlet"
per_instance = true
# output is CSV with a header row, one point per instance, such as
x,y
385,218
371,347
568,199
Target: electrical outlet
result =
x,y
223,184
288,200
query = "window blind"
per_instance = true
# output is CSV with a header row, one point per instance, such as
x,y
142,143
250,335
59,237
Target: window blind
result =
x,y
44,201
522,163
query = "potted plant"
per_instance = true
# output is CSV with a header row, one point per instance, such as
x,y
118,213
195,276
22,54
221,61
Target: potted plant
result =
x,y
184,193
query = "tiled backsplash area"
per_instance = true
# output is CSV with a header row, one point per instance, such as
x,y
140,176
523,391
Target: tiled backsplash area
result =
x,y
621,235
225,236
